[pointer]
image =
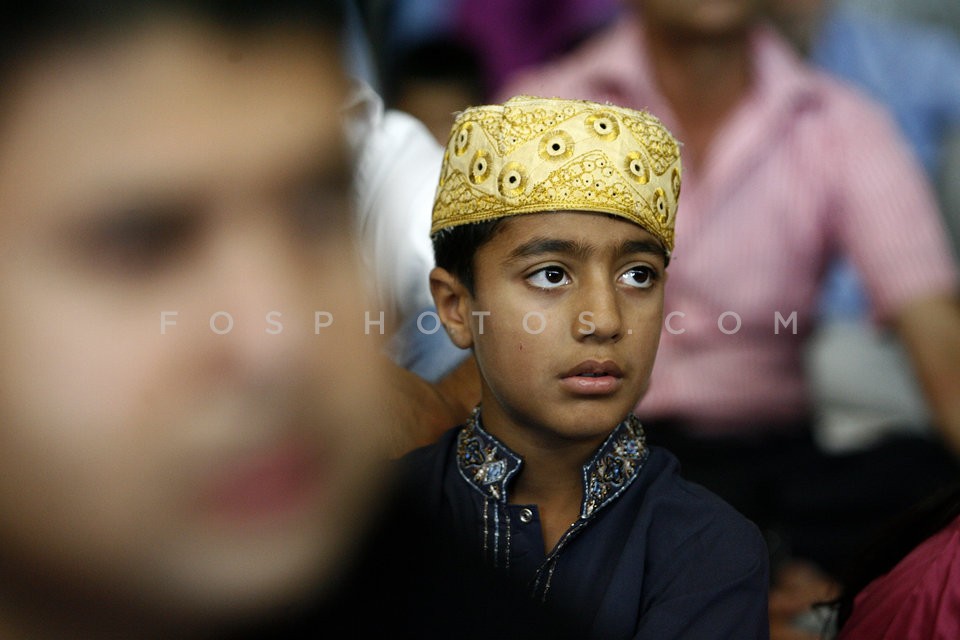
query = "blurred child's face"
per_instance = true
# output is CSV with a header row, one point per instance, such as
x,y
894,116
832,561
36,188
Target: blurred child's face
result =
x,y
146,184
575,304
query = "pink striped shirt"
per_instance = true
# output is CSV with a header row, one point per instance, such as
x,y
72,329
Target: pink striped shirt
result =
x,y
803,167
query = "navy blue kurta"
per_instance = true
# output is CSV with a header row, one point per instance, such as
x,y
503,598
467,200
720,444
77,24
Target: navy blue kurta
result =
x,y
651,555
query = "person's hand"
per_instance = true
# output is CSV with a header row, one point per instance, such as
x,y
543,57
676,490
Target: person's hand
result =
x,y
797,587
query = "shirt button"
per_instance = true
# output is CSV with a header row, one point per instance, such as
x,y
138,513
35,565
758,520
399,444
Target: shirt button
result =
x,y
526,515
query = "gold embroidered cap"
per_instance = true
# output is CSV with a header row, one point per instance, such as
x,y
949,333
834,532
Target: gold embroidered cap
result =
x,y
532,155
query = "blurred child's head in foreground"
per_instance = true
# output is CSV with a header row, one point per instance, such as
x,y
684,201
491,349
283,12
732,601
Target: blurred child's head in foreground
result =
x,y
185,437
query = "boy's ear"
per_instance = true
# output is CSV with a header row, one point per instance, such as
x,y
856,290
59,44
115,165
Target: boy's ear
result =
x,y
453,306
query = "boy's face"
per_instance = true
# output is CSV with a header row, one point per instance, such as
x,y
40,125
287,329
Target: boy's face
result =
x,y
162,463
575,305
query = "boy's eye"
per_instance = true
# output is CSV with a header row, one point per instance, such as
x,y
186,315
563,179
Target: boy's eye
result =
x,y
320,207
640,277
549,278
140,240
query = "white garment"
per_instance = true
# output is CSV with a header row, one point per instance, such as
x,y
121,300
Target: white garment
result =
x,y
397,167
863,388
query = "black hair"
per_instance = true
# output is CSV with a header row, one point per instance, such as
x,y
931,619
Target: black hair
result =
x,y
440,59
895,542
28,27
455,248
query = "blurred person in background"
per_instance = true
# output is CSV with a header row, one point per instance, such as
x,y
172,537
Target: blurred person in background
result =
x,y
913,70
396,161
786,167
396,164
868,408
433,81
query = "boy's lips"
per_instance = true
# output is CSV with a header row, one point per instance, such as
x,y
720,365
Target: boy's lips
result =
x,y
593,378
595,369
269,484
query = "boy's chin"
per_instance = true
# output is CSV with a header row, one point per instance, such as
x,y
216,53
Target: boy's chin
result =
x,y
229,582
599,415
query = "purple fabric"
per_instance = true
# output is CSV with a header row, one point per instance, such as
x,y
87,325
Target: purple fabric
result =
x,y
512,34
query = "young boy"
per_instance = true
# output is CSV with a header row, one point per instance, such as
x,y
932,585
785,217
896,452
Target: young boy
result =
x,y
553,226
170,173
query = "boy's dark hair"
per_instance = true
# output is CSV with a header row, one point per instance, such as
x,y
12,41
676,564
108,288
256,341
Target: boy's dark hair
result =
x,y
454,249
28,27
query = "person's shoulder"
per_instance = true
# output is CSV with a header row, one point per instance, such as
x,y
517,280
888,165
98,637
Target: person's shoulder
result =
x,y
674,486
845,123
843,106
686,513
699,554
829,113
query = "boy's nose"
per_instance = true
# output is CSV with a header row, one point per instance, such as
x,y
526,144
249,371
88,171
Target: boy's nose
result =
x,y
261,299
600,317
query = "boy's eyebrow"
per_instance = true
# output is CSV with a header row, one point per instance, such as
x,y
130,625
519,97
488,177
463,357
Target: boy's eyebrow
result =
x,y
541,245
641,246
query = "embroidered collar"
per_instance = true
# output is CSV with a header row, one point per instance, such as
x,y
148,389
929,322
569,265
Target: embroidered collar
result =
x,y
614,466
488,465
484,462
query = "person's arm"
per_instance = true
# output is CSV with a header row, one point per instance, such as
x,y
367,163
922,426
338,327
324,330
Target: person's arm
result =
x,y
397,167
421,412
889,223
949,187
930,331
